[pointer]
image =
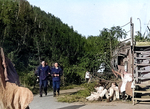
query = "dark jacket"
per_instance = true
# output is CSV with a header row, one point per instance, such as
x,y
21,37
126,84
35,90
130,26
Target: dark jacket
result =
x,y
43,72
56,71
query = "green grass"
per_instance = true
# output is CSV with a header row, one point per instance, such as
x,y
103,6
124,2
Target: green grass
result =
x,y
78,96
68,87
75,97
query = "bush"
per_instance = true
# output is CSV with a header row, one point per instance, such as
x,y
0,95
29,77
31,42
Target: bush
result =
x,y
74,75
27,79
78,96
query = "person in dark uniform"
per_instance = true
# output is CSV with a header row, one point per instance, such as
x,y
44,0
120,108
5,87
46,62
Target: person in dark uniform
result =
x,y
56,73
43,72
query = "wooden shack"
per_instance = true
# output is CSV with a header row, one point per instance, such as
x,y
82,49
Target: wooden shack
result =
x,y
135,59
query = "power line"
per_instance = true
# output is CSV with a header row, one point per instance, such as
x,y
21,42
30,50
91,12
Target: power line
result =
x,y
125,24
128,31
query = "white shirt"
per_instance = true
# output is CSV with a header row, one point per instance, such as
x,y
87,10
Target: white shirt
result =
x,y
127,78
87,75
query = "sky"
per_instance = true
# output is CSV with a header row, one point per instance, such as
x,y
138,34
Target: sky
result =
x,y
89,17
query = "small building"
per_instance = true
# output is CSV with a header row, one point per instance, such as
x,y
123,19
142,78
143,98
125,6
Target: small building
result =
x,y
134,59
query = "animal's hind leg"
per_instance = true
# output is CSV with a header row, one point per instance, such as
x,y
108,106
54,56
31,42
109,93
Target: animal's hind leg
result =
x,y
27,107
16,102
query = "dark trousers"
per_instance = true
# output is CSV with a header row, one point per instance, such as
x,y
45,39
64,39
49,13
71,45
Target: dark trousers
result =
x,y
56,86
43,83
123,95
87,79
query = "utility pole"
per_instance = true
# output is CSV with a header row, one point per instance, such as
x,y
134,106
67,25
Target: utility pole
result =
x,y
132,52
132,45
140,26
132,32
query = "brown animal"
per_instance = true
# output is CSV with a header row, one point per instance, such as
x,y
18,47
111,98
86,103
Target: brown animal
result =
x,y
11,95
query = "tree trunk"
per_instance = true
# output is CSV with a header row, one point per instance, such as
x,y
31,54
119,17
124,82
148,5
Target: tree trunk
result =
x,y
110,47
37,45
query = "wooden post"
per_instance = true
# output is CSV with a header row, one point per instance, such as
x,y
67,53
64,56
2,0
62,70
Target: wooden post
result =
x,y
132,51
132,46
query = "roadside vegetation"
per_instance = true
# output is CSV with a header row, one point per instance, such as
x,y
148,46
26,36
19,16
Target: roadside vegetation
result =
x,y
29,35
78,96
85,89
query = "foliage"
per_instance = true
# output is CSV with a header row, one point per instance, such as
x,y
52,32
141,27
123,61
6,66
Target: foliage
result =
x,y
142,38
27,79
29,35
78,96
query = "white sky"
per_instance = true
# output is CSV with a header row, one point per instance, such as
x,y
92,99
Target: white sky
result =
x,y
88,17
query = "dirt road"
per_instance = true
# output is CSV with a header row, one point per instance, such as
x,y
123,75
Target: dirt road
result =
x,y
50,102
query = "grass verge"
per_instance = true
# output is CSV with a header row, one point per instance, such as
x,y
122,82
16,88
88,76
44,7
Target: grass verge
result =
x,y
68,87
78,96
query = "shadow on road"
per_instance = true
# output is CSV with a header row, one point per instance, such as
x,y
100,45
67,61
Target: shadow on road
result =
x,y
72,107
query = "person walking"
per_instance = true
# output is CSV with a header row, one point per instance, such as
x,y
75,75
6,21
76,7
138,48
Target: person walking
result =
x,y
43,72
56,73
87,76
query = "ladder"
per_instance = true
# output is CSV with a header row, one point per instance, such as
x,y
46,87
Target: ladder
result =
x,y
141,75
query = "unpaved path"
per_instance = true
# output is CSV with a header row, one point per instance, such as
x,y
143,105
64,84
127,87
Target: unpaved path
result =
x,y
114,105
50,102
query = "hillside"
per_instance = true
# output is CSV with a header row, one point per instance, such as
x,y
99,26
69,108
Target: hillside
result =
x,y
29,35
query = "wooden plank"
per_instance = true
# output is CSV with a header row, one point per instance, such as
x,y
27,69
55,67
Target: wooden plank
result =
x,y
143,92
143,78
137,74
143,64
143,44
144,71
143,52
147,58
144,102
142,99
143,85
